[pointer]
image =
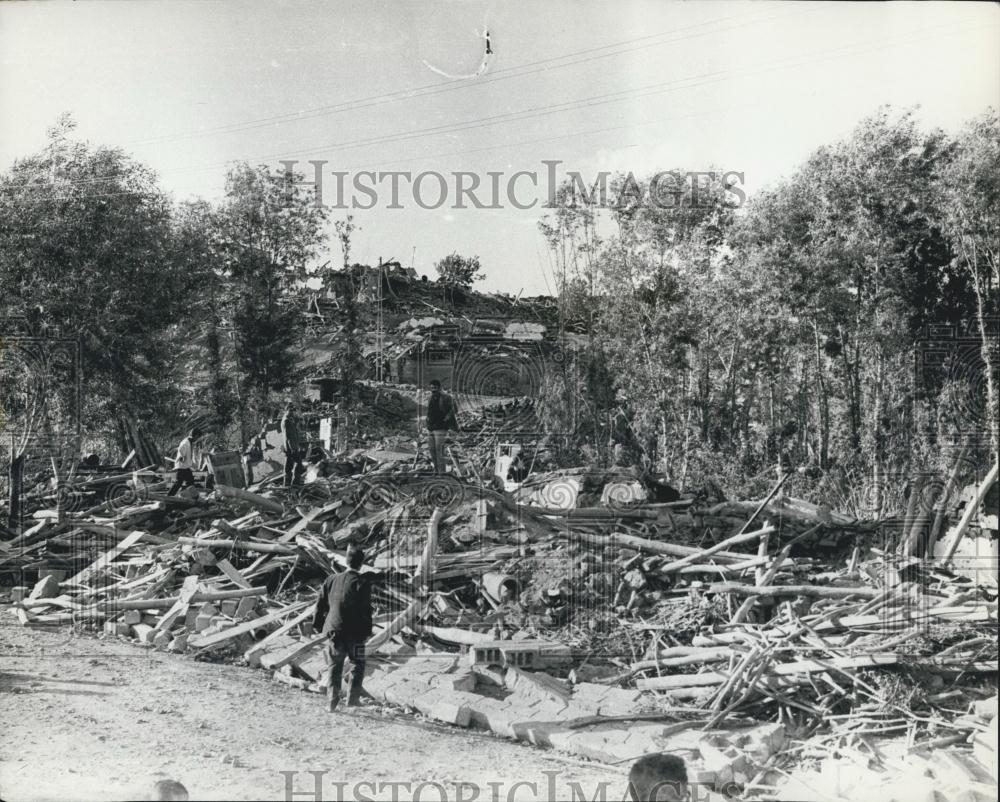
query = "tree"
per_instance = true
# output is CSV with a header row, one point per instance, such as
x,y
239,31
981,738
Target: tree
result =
x,y
85,235
969,185
459,271
271,228
207,361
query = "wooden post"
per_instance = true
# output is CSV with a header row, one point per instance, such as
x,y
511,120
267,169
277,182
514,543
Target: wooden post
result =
x,y
971,511
15,476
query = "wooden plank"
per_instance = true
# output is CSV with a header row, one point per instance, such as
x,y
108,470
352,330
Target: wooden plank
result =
x,y
971,511
164,604
276,661
260,647
107,557
188,589
218,638
230,571
778,670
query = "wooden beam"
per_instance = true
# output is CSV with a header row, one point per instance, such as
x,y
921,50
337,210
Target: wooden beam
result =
x,y
970,511
107,557
218,638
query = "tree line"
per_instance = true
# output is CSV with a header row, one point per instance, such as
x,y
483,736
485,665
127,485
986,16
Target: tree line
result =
x,y
843,321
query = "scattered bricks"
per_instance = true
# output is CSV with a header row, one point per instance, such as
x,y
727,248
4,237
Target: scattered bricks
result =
x,y
178,643
161,640
722,758
19,593
450,713
204,617
45,588
143,633
228,607
764,741
246,606
132,617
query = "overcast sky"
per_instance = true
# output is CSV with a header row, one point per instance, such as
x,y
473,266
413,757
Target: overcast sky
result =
x,y
189,86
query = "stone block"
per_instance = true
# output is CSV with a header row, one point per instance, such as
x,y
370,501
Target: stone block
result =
x,y
494,715
143,633
117,628
229,606
178,643
722,758
45,588
451,713
132,617
161,640
20,593
246,606
763,741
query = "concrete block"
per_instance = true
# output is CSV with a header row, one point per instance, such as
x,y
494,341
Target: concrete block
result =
x,y
246,606
450,713
45,588
20,593
178,643
117,628
143,633
205,617
56,573
722,758
229,606
132,617
494,715
763,741
161,640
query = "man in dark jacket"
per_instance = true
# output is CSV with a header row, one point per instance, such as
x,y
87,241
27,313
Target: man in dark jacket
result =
x,y
291,445
344,613
441,416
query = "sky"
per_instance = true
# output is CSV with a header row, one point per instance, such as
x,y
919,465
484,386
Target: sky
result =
x,y
190,86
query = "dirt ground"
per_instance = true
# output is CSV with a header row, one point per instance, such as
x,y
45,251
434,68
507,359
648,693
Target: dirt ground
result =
x,y
84,718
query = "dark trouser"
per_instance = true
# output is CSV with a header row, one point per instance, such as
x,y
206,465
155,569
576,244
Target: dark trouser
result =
x,y
338,651
293,466
185,478
438,440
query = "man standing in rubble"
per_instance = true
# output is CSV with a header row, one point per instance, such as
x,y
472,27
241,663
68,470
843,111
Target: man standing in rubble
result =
x,y
344,614
184,462
292,445
442,416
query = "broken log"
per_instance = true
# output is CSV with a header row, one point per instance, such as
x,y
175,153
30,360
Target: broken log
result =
x,y
253,499
812,591
722,544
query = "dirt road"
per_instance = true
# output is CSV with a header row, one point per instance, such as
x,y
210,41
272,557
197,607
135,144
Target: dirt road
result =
x,y
90,719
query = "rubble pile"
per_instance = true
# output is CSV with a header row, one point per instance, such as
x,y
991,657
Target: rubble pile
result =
x,y
763,641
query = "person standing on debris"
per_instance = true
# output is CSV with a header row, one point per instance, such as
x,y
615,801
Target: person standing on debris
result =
x,y
442,416
658,778
344,614
184,462
292,445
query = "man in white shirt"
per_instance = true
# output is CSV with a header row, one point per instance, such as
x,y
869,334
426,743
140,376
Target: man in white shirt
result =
x,y
184,462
